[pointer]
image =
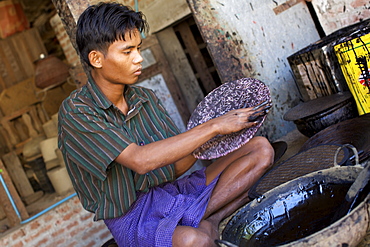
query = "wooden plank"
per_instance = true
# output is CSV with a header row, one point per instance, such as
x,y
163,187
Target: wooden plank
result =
x,y
151,71
163,13
17,174
173,87
2,214
4,68
21,48
5,202
161,67
13,72
2,73
54,98
16,61
196,57
22,51
36,43
287,5
180,67
16,114
149,42
9,98
17,55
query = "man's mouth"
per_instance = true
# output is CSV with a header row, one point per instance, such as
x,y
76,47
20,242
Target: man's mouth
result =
x,y
138,72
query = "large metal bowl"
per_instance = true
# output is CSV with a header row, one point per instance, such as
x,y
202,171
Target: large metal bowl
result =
x,y
254,218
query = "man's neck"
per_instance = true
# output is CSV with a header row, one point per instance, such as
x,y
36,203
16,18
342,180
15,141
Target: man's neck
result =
x,y
114,92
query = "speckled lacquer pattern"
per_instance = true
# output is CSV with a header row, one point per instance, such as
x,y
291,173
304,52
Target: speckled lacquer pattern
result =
x,y
245,92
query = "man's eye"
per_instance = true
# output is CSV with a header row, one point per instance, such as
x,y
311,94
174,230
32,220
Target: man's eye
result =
x,y
126,52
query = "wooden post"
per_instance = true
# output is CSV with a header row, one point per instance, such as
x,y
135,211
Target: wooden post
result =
x,y
182,71
17,174
5,201
229,58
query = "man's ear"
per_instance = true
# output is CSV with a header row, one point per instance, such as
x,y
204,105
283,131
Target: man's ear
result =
x,y
95,58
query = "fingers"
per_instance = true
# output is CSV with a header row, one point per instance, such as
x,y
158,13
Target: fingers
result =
x,y
264,103
252,114
260,110
242,118
257,114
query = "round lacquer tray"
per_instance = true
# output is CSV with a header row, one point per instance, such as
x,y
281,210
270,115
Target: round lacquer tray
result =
x,y
242,93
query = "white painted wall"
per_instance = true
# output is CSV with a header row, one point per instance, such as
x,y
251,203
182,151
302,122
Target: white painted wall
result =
x,y
158,85
336,14
268,39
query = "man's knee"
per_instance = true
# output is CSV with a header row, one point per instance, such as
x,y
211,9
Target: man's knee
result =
x,y
189,237
263,150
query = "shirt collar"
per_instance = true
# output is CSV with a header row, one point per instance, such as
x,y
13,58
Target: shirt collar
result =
x,y
133,98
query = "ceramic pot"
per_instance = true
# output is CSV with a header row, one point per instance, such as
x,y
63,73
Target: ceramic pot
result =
x,y
48,147
315,115
50,71
60,179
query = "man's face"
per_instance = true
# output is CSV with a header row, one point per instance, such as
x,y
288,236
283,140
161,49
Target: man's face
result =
x,y
122,62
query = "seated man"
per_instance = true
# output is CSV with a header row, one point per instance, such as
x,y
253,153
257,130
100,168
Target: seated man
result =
x,y
124,154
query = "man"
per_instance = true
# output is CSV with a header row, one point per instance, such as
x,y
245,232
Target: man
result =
x,y
123,152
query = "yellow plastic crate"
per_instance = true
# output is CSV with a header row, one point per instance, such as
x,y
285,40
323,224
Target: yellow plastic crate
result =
x,y
354,59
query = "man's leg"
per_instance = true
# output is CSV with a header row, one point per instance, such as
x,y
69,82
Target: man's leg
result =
x,y
187,236
240,170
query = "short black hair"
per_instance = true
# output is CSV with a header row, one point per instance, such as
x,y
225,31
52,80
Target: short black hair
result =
x,y
104,23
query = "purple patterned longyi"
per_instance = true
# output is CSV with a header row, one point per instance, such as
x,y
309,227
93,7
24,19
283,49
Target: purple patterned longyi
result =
x,y
245,92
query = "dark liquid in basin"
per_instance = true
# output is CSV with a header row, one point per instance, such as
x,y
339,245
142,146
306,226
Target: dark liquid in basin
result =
x,y
304,213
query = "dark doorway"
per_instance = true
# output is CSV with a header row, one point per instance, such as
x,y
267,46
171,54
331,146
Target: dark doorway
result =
x,y
197,54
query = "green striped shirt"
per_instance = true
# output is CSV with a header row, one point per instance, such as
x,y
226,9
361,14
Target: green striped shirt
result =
x,y
93,132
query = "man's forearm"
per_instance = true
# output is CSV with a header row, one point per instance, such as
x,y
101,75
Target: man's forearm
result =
x,y
171,150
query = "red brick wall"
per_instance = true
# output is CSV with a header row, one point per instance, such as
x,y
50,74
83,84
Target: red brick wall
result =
x,y
66,225
64,41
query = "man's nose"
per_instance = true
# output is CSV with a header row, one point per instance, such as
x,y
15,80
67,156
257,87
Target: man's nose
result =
x,y
138,58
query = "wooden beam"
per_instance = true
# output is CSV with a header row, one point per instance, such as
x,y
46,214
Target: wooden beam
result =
x,y
287,5
180,67
17,174
5,202
228,56
163,13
